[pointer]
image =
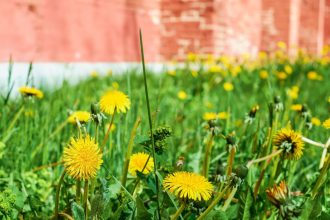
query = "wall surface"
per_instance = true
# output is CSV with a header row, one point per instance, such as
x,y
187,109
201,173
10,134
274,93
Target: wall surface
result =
x,y
107,30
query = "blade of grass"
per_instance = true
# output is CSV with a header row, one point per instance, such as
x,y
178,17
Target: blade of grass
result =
x,y
150,124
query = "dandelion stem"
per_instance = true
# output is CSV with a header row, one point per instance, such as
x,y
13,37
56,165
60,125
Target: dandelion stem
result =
x,y
86,198
63,214
47,165
129,151
208,150
214,203
109,129
13,122
231,160
324,153
321,179
229,199
57,197
262,173
178,212
78,186
150,123
249,164
51,136
307,140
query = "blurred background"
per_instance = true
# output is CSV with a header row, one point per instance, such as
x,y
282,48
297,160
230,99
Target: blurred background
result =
x,y
107,30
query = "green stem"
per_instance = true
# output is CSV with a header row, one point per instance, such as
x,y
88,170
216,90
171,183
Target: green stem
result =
x,y
78,190
249,164
108,131
86,199
229,199
63,214
129,151
178,212
214,203
208,150
322,178
150,124
11,125
231,160
51,136
57,197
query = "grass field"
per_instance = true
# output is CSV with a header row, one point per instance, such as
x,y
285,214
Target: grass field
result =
x,y
252,135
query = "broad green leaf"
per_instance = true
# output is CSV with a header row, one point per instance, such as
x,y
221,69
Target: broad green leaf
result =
x,y
97,206
216,215
312,208
248,204
77,212
142,212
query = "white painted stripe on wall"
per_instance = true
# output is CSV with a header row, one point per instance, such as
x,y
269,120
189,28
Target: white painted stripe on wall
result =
x,y
52,75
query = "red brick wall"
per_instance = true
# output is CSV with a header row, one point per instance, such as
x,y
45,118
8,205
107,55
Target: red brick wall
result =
x,y
107,30
187,26
326,33
77,30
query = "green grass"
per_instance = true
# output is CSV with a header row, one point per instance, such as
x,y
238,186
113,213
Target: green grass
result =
x,y
30,144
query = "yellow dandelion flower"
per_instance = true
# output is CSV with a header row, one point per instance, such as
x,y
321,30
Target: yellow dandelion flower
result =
x,y
235,71
171,72
281,45
115,85
194,73
82,158
138,161
288,69
293,92
278,195
315,121
210,116
192,57
94,74
325,60
182,95
296,107
228,86
109,73
81,116
114,99
326,123
106,127
263,74
215,69
223,115
31,92
291,143
312,75
262,55
188,186
281,75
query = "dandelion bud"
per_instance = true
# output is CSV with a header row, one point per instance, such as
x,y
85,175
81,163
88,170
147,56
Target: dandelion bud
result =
x,y
179,163
231,142
241,171
304,111
95,108
278,105
308,122
251,115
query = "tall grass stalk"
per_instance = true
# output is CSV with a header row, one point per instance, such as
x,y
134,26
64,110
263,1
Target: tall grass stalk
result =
x,y
129,151
150,125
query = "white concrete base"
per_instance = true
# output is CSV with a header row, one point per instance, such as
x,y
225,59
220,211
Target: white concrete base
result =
x,y
51,75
